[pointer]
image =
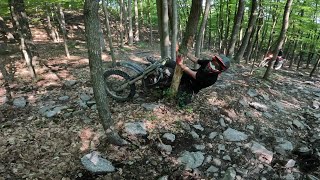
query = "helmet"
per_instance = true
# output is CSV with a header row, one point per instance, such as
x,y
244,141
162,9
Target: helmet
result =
x,y
224,61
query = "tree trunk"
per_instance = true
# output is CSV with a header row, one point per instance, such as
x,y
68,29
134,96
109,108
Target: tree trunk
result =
x,y
92,26
49,28
174,28
187,40
130,22
202,28
136,21
252,20
236,27
227,28
108,32
20,21
314,67
163,27
285,24
62,24
121,23
150,23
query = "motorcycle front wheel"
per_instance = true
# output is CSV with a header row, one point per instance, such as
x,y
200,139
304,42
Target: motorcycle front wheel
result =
x,y
116,84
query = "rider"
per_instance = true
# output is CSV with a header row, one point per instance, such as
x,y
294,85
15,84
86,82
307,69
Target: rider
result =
x,y
206,75
279,58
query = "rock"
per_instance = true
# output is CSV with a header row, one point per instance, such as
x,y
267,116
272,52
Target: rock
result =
x,y
191,160
169,136
97,165
284,147
230,174
212,135
63,98
298,124
199,147
136,128
222,123
164,147
290,163
20,102
216,161
315,104
263,154
198,127
194,135
84,97
70,83
252,93
166,177
221,147
234,135
258,106
150,106
212,169
185,126
226,158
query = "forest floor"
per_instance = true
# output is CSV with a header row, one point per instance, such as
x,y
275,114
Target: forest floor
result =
x,y
280,116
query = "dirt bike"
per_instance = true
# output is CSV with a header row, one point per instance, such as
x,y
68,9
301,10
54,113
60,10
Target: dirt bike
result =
x,y
122,87
277,65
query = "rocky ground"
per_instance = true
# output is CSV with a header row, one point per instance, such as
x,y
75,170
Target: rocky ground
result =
x,y
243,127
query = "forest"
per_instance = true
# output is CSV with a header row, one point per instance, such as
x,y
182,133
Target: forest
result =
x,y
84,93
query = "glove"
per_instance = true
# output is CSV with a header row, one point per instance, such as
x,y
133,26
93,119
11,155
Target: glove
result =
x,y
179,60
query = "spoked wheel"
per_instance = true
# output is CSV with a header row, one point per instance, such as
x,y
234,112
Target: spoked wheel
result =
x,y
117,85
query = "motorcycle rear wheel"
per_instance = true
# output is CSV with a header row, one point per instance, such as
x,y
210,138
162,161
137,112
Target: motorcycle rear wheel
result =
x,y
114,79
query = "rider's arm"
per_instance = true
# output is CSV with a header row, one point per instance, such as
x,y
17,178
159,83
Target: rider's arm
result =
x,y
188,71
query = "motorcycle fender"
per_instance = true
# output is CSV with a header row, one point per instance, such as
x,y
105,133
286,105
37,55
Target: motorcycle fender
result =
x,y
131,65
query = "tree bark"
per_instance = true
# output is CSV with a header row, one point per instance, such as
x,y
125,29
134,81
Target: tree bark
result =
x,y
150,23
174,28
130,22
136,21
108,32
121,23
200,36
314,67
236,27
62,23
187,41
285,24
163,27
21,24
252,20
92,25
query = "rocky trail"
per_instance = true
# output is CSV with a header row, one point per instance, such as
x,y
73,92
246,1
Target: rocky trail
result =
x,y
242,127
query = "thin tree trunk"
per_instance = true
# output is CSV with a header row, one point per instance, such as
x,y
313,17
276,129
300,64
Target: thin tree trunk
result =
x,y
50,29
20,21
121,23
136,21
174,29
252,20
236,27
62,24
227,28
199,38
108,32
150,23
92,26
285,24
314,67
130,22
187,41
